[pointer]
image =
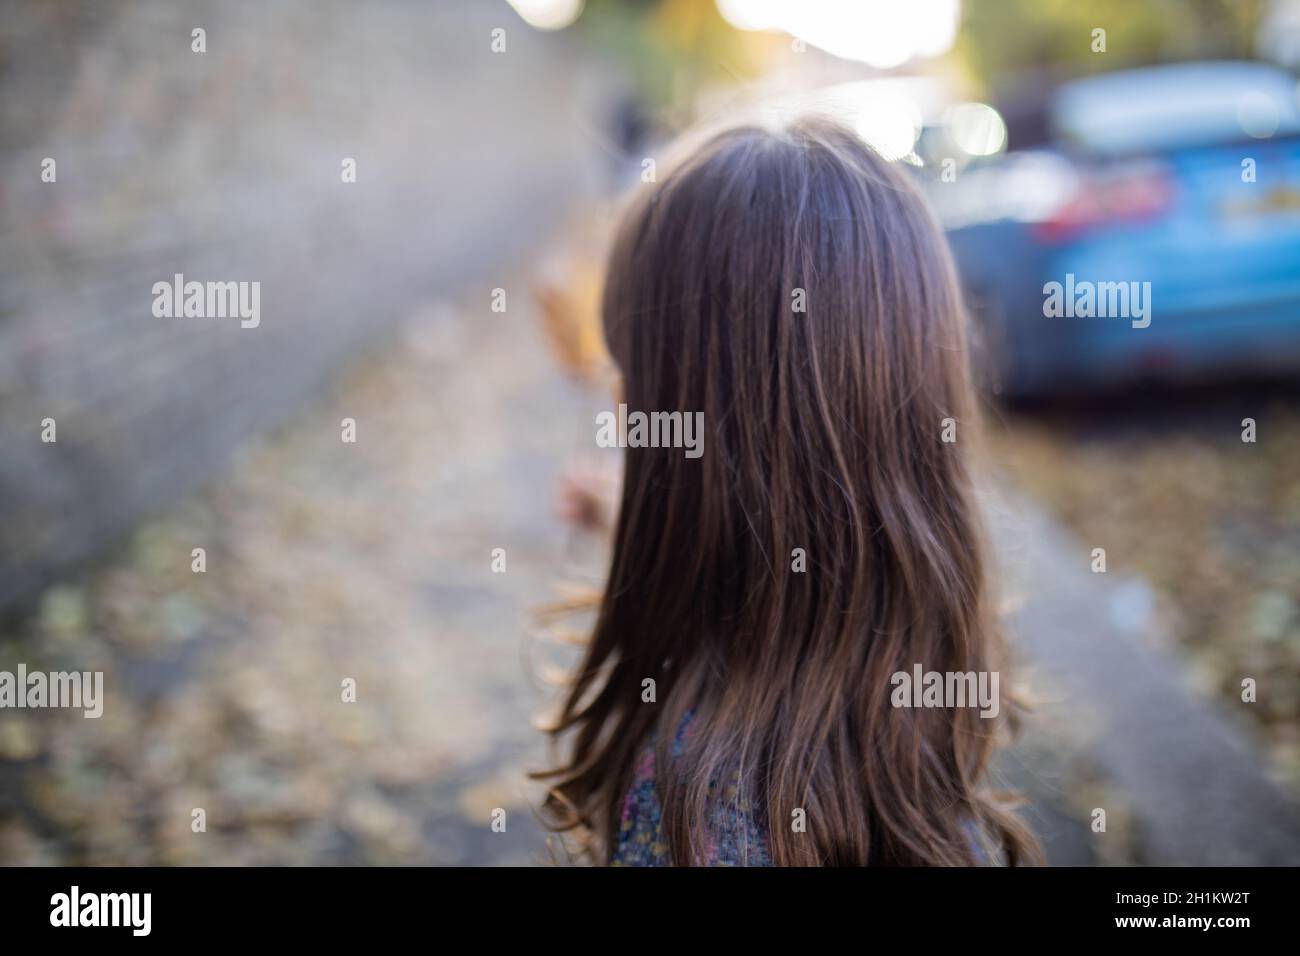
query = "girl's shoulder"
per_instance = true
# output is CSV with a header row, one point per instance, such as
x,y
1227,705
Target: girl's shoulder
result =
x,y
733,836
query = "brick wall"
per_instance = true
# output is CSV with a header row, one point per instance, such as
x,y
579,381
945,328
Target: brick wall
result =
x,y
225,165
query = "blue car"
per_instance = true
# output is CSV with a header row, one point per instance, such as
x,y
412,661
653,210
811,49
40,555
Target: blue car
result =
x,y
1155,234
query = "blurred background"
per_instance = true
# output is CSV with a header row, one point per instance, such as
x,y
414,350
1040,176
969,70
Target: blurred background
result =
x,y
445,302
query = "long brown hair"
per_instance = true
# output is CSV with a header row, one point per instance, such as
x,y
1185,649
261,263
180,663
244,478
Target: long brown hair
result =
x,y
793,287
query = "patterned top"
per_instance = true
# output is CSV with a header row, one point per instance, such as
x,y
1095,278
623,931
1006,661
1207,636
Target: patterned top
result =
x,y
733,836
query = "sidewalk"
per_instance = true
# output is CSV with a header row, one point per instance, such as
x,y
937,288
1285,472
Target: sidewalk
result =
x,y
324,561
1186,781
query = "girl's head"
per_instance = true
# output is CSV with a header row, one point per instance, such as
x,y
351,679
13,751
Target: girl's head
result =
x,y
793,287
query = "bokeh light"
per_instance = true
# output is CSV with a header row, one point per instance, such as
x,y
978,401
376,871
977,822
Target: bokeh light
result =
x,y
877,32
548,14
977,129
1258,115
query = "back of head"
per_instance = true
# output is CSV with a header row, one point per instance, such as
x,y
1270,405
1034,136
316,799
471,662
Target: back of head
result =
x,y
791,286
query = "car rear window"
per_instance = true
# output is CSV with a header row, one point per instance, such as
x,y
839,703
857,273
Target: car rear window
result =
x,y
1170,106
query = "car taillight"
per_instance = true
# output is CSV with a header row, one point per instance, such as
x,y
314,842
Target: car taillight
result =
x,y
1129,195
